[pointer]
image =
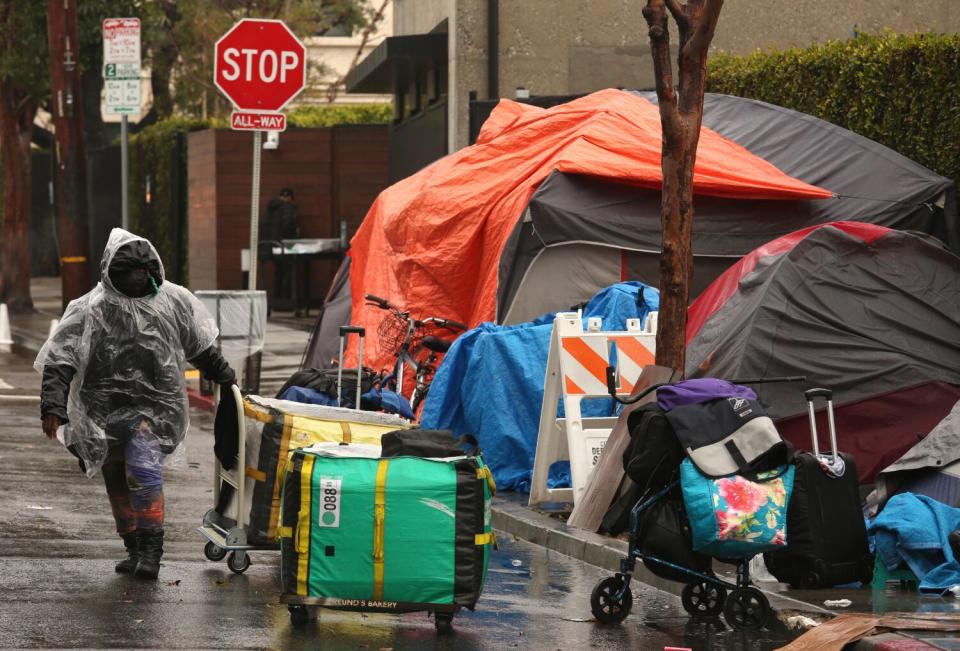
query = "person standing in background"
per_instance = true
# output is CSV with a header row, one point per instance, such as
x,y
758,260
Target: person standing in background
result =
x,y
280,222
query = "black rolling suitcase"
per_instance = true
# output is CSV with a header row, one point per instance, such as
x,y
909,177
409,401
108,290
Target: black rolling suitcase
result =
x,y
826,535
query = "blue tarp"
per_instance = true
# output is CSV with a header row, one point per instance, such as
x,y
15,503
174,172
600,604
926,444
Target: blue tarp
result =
x,y
491,382
913,529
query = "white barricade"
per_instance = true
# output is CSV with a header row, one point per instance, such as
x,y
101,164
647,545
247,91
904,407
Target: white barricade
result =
x,y
576,370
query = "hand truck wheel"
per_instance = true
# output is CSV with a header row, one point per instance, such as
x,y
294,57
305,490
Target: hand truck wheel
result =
x,y
214,552
611,600
238,565
299,616
443,623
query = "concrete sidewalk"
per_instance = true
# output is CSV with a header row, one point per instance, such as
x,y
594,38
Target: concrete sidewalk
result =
x,y
286,339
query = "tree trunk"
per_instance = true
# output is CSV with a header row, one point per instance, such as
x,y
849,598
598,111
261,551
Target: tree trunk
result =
x,y
681,115
17,110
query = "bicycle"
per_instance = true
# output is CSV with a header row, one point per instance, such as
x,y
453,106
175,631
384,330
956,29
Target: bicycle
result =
x,y
405,338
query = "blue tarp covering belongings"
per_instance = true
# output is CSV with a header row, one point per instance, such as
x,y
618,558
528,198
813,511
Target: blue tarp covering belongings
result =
x,y
912,530
505,414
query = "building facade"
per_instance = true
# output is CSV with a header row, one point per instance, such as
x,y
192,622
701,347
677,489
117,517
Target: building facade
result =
x,y
443,52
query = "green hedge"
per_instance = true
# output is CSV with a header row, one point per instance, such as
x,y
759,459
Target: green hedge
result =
x,y
151,157
333,114
900,90
152,153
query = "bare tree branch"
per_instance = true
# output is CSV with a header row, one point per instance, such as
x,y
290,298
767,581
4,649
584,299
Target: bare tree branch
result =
x,y
656,16
368,31
706,24
678,11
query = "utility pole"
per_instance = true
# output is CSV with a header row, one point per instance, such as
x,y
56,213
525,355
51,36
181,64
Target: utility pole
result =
x,y
71,200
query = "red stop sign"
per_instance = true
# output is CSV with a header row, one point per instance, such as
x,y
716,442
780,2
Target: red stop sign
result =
x,y
259,64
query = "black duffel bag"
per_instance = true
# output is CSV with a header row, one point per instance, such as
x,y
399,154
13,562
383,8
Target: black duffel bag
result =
x,y
429,443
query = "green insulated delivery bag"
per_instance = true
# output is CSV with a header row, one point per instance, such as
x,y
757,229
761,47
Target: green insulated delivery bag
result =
x,y
361,532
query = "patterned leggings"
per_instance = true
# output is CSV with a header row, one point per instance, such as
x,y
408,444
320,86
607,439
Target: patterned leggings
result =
x,y
134,479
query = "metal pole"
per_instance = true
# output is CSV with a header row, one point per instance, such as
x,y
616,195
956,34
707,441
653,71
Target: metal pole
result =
x,y
255,210
124,173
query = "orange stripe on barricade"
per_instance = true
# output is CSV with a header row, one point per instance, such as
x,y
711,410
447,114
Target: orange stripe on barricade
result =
x,y
635,350
587,357
572,388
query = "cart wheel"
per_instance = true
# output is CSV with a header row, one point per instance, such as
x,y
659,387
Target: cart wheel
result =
x,y
214,552
605,603
237,566
703,599
299,616
443,622
746,609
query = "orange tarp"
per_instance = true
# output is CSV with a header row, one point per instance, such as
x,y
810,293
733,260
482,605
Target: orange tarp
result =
x,y
432,242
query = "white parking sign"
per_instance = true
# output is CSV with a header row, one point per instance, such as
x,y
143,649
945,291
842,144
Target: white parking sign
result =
x,y
121,64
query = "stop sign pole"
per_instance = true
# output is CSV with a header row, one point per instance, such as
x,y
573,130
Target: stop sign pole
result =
x,y
259,65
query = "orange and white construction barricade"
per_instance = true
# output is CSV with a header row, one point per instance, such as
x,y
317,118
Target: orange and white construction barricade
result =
x,y
576,371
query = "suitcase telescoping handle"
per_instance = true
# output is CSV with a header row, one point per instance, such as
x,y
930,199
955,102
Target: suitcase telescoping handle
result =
x,y
827,394
346,331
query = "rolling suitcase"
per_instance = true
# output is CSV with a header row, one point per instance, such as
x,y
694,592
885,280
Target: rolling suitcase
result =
x,y
384,534
826,535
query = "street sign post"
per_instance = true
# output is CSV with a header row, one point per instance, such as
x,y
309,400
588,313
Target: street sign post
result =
x,y
121,79
259,65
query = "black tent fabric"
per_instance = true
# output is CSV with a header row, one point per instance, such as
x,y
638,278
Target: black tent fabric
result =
x,y
873,184
865,314
323,346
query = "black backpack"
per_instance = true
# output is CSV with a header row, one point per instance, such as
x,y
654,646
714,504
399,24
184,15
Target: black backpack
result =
x,y
654,451
650,460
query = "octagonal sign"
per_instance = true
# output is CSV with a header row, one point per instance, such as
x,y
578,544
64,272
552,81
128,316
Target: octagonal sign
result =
x,y
260,65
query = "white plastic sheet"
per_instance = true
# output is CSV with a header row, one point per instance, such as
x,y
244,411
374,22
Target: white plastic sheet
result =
x,y
129,356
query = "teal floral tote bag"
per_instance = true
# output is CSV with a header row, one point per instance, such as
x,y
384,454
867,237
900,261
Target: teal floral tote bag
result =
x,y
737,516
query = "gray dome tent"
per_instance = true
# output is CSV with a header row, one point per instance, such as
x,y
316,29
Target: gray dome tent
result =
x,y
869,312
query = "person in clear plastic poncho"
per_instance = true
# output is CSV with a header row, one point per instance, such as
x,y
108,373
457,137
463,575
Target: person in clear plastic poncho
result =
x,y
113,387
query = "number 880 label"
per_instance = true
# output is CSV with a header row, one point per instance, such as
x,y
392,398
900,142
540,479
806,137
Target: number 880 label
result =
x,y
329,502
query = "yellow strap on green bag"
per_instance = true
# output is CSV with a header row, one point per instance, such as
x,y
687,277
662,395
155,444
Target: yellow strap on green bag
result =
x,y
379,518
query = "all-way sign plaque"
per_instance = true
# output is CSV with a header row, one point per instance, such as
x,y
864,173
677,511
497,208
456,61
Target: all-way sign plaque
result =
x,y
258,121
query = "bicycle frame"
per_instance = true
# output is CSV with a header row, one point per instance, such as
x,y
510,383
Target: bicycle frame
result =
x,y
407,355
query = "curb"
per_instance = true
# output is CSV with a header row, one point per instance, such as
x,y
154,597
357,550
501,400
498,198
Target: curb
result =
x,y
200,401
512,517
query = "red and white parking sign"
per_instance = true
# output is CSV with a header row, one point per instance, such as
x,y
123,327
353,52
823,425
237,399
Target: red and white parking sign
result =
x,y
259,65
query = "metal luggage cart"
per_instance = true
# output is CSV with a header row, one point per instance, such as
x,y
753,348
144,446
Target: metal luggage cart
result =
x,y
225,535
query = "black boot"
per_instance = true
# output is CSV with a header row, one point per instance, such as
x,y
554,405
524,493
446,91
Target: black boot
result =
x,y
151,549
129,564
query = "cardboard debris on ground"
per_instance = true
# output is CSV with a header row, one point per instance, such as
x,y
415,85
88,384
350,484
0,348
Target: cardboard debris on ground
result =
x,y
835,634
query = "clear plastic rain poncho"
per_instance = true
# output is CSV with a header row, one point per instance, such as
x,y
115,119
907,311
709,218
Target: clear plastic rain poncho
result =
x,y
129,355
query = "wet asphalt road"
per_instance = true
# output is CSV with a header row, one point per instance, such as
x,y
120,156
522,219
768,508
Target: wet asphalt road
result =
x,y
58,587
